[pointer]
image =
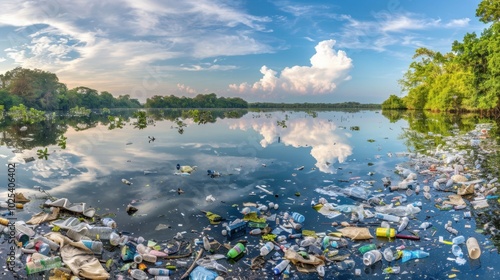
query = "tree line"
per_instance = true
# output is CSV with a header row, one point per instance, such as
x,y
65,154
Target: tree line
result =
x,y
42,90
465,79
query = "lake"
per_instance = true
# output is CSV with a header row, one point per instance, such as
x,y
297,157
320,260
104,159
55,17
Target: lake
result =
x,y
290,153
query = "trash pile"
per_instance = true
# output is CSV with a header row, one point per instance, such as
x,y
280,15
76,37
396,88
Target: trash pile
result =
x,y
390,223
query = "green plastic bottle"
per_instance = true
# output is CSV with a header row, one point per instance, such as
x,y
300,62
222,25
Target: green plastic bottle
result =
x,y
43,265
365,248
236,251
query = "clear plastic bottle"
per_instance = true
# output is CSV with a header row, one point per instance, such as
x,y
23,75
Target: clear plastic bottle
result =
x,y
99,232
278,269
114,238
108,222
372,257
95,246
53,246
206,244
266,249
21,226
388,254
458,240
159,271
149,258
457,251
404,224
139,274
43,265
387,217
308,240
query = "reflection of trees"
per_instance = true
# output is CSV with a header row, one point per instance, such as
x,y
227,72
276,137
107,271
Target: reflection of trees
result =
x,y
393,115
42,134
427,129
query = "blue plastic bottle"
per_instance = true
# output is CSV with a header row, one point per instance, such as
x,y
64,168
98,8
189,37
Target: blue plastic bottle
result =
x,y
410,255
201,273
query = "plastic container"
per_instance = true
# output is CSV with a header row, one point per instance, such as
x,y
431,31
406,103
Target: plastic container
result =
x,y
159,271
308,241
457,251
410,255
278,269
365,248
137,258
201,273
237,250
385,232
371,257
138,274
114,239
458,240
95,246
108,222
255,231
387,217
4,222
473,248
53,246
425,225
43,265
298,218
267,248
23,238
42,248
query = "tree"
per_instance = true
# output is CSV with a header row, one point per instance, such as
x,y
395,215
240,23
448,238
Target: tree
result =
x,y
393,103
488,11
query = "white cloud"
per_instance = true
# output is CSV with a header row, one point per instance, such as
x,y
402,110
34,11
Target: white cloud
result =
x,y
185,89
2,59
85,41
462,22
327,68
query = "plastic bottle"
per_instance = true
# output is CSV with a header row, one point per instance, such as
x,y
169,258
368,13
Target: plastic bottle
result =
x,y
458,240
108,222
149,258
457,251
255,231
21,226
387,217
114,239
267,248
42,248
99,232
410,255
53,246
43,265
404,224
365,248
388,255
385,232
138,274
372,257
95,246
137,258
201,273
159,271
298,218
206,244
236,251
16,205
278,269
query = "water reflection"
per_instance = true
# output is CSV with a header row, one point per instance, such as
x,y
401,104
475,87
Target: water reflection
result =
x,y
328,143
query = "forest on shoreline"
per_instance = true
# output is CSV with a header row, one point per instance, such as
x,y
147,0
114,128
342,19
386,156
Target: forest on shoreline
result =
x,y
465,79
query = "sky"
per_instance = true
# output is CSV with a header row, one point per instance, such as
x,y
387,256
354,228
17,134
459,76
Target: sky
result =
x,y
262,51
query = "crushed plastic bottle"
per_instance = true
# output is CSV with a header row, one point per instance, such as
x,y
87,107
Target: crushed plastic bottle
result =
x,y
410,255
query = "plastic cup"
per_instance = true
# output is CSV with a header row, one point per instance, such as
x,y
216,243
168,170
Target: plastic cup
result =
x,y
473,248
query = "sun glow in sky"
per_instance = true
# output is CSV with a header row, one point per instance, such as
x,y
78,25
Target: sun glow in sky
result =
x,y
271,51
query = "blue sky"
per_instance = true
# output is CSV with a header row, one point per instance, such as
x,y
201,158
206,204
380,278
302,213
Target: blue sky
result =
x,y
271,51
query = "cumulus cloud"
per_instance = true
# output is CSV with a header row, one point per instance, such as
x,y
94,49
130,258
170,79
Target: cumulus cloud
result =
x,y
328,67
185,89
